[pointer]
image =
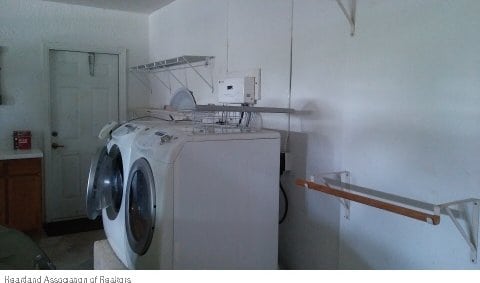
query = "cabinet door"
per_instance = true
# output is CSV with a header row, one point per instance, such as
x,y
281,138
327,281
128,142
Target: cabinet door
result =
x,y
3,202
29,166
24,202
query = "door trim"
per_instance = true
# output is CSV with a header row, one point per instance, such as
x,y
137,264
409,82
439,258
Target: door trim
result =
x,y
122,100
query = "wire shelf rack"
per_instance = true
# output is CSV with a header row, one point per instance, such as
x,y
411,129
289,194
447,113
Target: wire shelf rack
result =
x,y
217,119
222,122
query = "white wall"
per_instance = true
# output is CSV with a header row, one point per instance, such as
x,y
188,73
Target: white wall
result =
x,y
404,93
25,25
397,105
410,95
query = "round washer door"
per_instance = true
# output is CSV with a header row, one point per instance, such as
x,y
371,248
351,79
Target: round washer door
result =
x,y
95,197
104,179
114,194
140,206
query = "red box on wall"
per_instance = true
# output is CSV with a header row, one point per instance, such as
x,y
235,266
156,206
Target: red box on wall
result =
x,y
22,140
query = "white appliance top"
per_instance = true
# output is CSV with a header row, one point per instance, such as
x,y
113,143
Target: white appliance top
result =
x,y
185,130
164,140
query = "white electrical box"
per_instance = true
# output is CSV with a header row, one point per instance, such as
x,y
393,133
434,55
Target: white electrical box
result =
x,y
240,87
237,90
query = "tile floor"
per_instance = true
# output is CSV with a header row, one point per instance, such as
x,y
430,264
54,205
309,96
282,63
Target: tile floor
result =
x,y
71,251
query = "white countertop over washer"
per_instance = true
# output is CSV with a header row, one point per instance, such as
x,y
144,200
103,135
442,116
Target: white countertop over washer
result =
x,y
6,154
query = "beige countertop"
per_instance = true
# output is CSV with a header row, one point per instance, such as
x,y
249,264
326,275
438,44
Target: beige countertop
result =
x,y
6,154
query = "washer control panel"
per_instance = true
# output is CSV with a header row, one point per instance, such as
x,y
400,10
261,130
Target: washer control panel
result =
x,y
164,137
151,138
124,130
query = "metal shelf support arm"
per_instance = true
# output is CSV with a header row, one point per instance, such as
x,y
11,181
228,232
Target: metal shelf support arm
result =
x,y
350,16
163,83
344,202
176,78
143,83
344,177
198,73
472,240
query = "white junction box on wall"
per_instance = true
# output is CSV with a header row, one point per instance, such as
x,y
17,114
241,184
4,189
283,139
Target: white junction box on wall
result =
x,y
240,88
237,90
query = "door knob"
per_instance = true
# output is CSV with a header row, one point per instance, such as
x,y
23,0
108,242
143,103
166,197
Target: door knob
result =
x,y
56,145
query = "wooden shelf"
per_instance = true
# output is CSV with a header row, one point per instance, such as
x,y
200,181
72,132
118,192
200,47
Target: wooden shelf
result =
x,y
426,212
408,212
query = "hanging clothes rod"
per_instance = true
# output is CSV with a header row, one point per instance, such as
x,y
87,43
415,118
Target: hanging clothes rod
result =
x,y
411,208
408,212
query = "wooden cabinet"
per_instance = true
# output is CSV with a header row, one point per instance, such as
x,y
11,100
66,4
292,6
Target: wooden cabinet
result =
x,y
3,202
21,193
3,195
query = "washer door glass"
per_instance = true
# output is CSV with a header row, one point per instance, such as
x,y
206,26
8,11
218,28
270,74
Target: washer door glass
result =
x,y
140,206
114,194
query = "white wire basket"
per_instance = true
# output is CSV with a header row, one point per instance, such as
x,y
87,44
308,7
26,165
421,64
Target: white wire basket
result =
x,y
222,122
217,119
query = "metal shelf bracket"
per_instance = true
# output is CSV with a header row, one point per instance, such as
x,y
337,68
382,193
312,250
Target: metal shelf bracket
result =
x,y
344,202
346,207
194,68
145,84
470,234
344,177
349,15
163,83
176,78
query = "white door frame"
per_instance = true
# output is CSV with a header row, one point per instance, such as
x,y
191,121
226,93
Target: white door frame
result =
x,y
122,100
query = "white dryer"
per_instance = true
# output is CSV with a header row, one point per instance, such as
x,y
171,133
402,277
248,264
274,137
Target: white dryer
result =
x,y
202,201
106,184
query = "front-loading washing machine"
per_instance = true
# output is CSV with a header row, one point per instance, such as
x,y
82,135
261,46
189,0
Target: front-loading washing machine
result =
x,y
106,184
202,201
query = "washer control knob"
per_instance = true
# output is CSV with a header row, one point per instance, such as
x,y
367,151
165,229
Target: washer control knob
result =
x,y
165,138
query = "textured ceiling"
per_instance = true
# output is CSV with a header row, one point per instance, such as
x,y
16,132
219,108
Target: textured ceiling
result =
x,y
137,6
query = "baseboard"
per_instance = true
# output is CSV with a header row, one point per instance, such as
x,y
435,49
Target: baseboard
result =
x,y
72,226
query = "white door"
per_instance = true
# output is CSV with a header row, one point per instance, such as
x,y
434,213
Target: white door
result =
x,y
84,97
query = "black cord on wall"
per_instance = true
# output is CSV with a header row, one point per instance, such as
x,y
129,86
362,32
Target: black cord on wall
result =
x,y
0,88
286,203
